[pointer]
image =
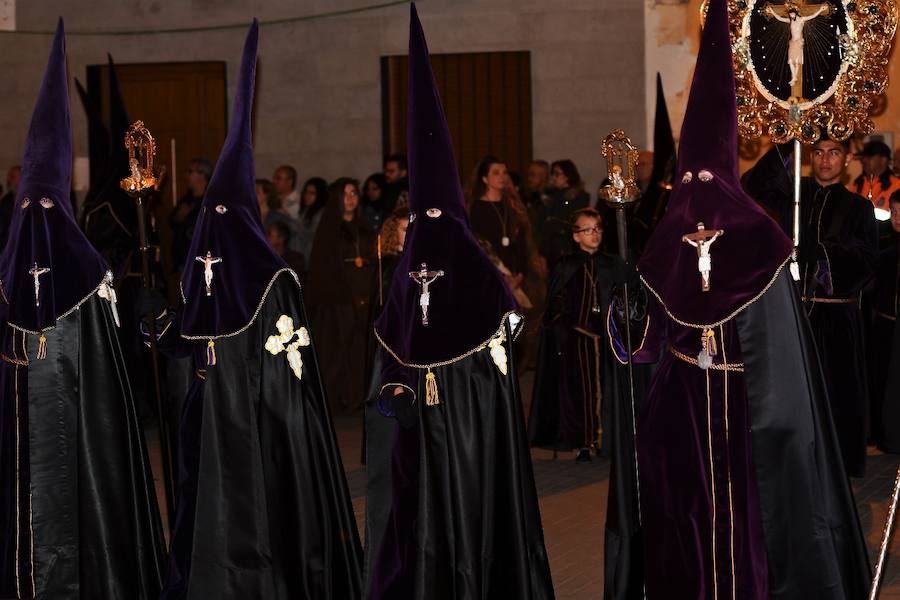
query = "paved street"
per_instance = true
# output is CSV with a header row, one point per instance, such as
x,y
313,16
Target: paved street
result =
x,y
573,510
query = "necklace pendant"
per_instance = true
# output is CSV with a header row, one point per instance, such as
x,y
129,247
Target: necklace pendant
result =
x,y
595,309
504,241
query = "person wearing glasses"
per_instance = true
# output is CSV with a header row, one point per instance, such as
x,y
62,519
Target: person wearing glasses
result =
x,y
566,405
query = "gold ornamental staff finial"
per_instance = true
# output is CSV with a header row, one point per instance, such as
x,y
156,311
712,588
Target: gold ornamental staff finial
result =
x,y
621,163
141,156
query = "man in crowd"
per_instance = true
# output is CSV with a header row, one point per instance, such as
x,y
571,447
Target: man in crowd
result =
x,y
397,188
285,181
184,217
876,183
838,246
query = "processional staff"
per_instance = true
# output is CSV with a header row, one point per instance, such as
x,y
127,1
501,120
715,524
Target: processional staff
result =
x,y
621,162
143,181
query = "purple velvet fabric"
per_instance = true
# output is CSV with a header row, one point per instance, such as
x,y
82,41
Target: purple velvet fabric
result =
x,y
45,233
753,247
230,227
700,505
470,300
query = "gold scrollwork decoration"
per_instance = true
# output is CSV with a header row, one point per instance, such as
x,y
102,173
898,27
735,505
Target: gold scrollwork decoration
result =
x,y
141,156
834,51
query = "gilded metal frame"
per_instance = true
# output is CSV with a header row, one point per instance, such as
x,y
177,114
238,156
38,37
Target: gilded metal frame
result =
x,y
866,47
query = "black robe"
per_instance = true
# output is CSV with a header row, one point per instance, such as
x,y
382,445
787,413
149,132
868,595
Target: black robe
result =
x,y
573,366
813,544
263,509
885,355
838,252
78,503
458,516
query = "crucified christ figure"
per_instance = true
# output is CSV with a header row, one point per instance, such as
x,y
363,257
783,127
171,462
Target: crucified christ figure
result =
x,y
796,17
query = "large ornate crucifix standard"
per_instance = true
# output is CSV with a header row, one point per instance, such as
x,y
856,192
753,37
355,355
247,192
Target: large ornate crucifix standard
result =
x,y
425,278
36,272
702,239
796,14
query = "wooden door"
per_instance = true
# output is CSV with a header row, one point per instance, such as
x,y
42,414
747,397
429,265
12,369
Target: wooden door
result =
x,y
487,100
181,101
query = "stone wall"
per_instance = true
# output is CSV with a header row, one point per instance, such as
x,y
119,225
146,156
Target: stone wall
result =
x,y
318,97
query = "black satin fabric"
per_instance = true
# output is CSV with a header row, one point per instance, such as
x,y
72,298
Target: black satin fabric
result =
x,y
90,511
271,515
464,520
813,538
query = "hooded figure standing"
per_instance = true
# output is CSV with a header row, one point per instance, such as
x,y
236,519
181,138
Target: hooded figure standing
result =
x,y
263,505
77,500
457,517
742,491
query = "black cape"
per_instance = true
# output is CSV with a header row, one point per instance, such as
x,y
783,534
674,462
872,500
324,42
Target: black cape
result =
x,y
263,510
81,520
813,539
462,517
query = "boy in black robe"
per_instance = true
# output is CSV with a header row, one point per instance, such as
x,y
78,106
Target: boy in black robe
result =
x,y
573,361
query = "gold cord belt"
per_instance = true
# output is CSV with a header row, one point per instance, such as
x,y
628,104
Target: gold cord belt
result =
x,y
736,367
885,316
13,361
831,300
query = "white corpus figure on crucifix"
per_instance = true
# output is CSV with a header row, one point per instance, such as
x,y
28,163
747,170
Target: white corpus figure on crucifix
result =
x,y
208,261
36,272
794,17
702,239
425,278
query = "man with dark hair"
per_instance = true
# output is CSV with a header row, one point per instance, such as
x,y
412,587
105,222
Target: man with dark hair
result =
x,y
397,188
838,246
876,183
395,168
184,217
572,364
285,181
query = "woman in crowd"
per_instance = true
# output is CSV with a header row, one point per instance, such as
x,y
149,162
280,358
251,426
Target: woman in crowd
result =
x,y
498,217
313,197
374,206
341,274
500,220
566,196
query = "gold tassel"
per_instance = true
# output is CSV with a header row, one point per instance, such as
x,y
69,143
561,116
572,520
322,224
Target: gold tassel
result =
x,y
211,353
431,389
42,347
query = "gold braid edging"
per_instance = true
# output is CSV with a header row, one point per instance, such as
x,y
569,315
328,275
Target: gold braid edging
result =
x,y
736,367
450,361
730,316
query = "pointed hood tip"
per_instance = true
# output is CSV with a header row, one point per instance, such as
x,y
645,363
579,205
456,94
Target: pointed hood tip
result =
x,y
709,131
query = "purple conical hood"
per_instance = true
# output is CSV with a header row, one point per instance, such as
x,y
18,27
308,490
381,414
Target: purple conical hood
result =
x,y
709,131
229,228
43,231
753,248
468,303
